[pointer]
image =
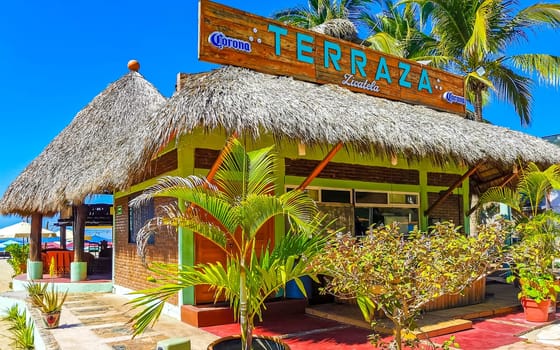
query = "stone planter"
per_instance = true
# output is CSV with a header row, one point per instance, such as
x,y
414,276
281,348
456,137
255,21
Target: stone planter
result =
x,y
259,343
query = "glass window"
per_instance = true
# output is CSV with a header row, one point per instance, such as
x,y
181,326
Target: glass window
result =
x,y
384,208
138,216
380,216
313,193
371,197
335,196
403,198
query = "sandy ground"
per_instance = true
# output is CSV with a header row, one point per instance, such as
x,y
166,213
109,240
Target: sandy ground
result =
x,y
5,279
5,275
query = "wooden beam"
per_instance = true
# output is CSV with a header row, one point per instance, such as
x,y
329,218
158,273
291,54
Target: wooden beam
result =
x,y
80,214
35,237
452,188
220,158
63,237
506,181
321,166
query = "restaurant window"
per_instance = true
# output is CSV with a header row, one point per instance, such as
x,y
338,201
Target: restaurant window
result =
x,y
383,208
326,195
138,216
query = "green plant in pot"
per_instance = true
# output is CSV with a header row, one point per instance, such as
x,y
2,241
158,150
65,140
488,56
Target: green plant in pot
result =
x,y
230,212
538,230
532,261
50,305
36,291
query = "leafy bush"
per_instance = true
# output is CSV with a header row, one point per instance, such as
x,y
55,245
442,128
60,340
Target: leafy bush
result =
x,y
18,257
399,274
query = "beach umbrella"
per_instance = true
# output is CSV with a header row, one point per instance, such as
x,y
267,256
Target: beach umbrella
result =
x,y
51,245
22,230
98,239
4,244
11,241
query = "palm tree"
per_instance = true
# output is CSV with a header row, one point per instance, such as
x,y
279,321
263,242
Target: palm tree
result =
x,y
475,35
320,11
230,213
532,188
400,31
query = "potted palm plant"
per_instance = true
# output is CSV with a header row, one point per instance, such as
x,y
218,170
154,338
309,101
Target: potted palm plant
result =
x,y
537,226
50,304
230,212
532,267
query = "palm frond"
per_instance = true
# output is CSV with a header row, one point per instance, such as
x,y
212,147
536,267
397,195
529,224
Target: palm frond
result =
x,y
385,43
547,67
503,195
261,171
513,88
173,186
546,14
477,45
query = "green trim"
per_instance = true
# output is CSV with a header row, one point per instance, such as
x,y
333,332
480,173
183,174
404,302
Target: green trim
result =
x,y
279,224
186,246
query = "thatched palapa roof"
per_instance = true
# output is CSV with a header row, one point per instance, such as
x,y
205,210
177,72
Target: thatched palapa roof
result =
x,y
98,151
252,103
109,144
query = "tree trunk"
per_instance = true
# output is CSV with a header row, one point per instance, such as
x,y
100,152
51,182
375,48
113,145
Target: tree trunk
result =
x,y
398,335
477,104
246,329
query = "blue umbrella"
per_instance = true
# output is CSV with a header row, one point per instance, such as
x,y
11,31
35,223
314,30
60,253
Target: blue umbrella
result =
x,y
98,239
10,241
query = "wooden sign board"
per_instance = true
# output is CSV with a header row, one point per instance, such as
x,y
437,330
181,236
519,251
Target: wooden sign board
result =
x,y
233,37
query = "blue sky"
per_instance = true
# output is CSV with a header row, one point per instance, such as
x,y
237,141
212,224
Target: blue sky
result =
x,y
56,56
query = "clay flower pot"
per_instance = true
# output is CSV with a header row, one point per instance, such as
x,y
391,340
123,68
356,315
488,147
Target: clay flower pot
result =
x,y
51,320
543,311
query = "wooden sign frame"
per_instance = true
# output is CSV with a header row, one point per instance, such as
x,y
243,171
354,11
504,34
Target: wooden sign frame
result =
x,y
234,37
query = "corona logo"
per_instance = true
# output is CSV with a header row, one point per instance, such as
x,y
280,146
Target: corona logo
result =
x,y
220,40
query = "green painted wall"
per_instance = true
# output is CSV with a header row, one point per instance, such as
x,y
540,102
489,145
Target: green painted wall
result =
x,y
188,143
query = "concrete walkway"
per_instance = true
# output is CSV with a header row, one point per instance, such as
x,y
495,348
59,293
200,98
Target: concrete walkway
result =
x,y
99,321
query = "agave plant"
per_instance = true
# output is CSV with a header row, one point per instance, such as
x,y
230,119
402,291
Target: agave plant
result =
x,y
51,300
230,212
22,330
36,290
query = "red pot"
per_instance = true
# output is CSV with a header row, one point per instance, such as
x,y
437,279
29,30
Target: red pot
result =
x,y
543,311
52,319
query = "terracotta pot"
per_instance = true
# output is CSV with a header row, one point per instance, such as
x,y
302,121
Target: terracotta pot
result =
x,y
260,342
539,312
51,320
